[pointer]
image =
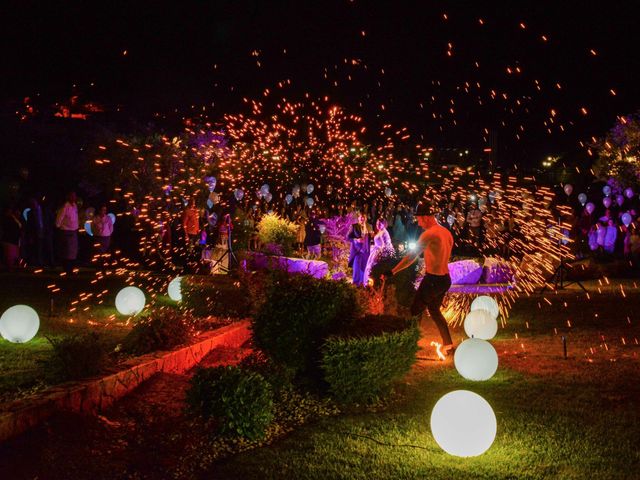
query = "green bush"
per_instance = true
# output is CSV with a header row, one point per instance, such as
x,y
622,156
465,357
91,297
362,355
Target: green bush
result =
x,y
241,401
279,377
216,295
361,364
273,229
77,356
161,330
298,313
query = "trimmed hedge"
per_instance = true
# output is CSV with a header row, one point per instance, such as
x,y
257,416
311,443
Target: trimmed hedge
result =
x,y
215,295
161,330
241,401
298,313
361,364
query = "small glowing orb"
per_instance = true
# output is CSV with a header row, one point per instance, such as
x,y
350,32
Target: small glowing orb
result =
x,y
484,302
19,324
87,227
412,246
480,324
476,359
175,289
130,301
463,424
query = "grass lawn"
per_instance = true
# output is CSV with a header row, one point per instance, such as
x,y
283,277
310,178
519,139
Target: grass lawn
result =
x,y
65,308
575,418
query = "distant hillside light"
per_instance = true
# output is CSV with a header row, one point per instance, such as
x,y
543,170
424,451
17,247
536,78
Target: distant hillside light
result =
x,y
175,289
476,359
130,301
19,324
463,424
485,302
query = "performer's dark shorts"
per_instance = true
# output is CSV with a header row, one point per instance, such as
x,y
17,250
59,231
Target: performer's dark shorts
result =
x,y
430,293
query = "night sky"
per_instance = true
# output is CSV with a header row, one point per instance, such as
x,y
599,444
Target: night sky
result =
x,y
155,57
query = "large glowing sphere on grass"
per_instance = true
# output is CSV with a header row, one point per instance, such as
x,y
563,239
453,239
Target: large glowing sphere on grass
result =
x,y
175,289
463,424
480,324
476,359
485,302
130,301
19,324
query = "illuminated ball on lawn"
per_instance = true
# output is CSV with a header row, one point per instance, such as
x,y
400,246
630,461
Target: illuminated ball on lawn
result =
x,y
476,359
19,324
485,302
463,424
130,301
175,289
480,324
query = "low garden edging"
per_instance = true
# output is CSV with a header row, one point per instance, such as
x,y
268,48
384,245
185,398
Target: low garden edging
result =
x,y
94,395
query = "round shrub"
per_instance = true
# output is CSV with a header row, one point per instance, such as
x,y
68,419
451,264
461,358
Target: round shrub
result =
x,y
161,330
298,313
77,356
274,230
240,401
215,295
361,363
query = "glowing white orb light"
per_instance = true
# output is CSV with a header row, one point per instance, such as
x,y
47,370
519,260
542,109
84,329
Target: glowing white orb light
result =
x,y
19,324
463,424
484,302
480,324
476,359
130,301
175,289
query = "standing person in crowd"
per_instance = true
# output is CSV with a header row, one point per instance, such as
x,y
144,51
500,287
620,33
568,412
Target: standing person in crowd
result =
x,y
11,233
382,247
67,225
474,225
34,237
191,223
436,243
399,232
102,229
359,253
313,237
48,233
300,220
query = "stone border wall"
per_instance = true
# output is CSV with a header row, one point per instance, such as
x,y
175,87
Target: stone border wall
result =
x,y
95,395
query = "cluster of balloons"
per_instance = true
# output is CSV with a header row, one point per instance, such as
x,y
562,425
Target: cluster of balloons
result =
x,y
462,422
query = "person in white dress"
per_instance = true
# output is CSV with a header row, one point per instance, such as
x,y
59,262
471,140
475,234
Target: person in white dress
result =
x,y
381,245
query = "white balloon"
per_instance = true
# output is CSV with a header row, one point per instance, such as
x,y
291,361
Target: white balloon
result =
x,y
238,193
175,289
387,191
112,216
606,201
582,198
628,192
463,424
288,198
568,189
619,200
485,302
480,324
130,301
590,207
309,201
606,190
19,324
626,219
264,189
476,359
310,188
